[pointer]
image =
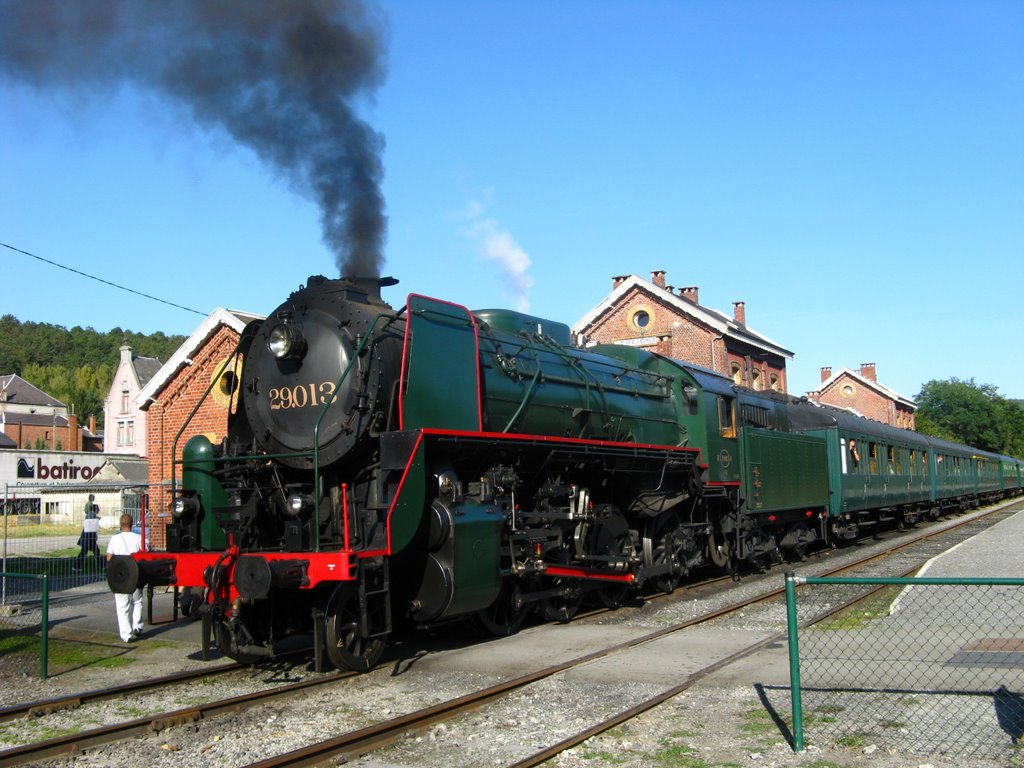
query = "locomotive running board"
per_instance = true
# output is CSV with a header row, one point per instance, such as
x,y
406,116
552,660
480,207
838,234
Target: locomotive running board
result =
x,y
589,574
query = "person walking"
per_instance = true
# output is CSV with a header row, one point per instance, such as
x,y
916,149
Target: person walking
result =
x,y
89,540
127,607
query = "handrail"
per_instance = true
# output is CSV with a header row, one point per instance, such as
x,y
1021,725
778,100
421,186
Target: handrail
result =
x,y
390,318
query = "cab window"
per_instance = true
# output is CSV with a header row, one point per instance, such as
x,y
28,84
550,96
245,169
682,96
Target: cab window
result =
x,y
726,417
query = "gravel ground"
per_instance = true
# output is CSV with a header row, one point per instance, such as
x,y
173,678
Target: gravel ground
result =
x,y
725,720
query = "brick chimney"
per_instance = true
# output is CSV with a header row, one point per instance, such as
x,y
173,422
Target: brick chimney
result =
x,y
618,280
867,370
739,312
658,277
826,373
74,441
689,293
92,425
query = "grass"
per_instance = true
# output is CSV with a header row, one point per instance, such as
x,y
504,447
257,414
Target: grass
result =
x,y
858,739
52,562
679,755
38,730
37,530
21,653
862,613
758,722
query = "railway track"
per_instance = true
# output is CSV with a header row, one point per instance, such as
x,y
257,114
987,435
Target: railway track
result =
x,y
358,743
364,740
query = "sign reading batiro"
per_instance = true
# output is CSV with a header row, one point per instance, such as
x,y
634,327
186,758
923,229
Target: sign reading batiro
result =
x,y
48,467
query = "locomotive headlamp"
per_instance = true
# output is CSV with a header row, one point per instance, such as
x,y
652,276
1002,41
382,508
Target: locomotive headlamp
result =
x,y
299,503
184,506
285,341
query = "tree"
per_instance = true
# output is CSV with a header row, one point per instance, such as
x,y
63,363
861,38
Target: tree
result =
x,y
77,366
970,413
1011,427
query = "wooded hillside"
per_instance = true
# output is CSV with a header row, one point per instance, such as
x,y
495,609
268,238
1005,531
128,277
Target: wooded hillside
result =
x,y
75,366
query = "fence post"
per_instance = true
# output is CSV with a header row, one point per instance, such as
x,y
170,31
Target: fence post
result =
x,y
794,662
44,620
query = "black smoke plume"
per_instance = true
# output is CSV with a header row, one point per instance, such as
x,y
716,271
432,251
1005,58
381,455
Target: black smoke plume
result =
x,y
280,76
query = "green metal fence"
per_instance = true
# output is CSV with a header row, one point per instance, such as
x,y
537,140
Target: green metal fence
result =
x,y
925,665
24,625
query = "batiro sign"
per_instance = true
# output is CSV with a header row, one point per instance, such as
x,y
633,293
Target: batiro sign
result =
x,y
45,468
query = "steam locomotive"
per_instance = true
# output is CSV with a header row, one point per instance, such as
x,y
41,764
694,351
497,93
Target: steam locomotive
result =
x,y
434,463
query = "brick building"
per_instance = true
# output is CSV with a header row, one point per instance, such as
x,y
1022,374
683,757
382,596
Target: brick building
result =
x,y
32,419
655,316
859,391
202,361
124,420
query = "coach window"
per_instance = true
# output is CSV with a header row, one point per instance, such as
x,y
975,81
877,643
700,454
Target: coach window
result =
x,y
854,456
726,417
873,458
890,460
913,461
924,463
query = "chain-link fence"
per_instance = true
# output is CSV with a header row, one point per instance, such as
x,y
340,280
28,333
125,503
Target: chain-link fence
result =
x,y
56,535
926,665
63,530
24,626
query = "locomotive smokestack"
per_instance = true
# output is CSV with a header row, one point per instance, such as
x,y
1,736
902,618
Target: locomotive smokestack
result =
x,y
279,77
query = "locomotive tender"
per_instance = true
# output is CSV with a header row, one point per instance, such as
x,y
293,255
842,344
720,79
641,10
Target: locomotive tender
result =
x,y
432,462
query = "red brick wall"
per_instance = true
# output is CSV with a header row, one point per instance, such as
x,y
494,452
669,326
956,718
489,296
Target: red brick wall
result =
x,y
669,333
867,401
167,415
69,438
676,335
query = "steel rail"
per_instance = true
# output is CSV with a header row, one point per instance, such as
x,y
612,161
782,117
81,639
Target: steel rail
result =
x,y
73,700
72,743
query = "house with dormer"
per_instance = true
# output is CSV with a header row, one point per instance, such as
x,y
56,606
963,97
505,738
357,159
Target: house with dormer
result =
x,y
860,392
655,316
124,421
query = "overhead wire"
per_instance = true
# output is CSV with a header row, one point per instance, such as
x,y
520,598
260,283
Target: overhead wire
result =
x,y
105,282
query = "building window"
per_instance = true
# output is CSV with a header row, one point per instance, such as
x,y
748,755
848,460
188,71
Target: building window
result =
x,y
756,375
736,371
848,390
130,436
641,318
120,432
774,383
124,397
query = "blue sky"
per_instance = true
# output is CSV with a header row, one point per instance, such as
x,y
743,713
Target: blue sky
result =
x,y
853,171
